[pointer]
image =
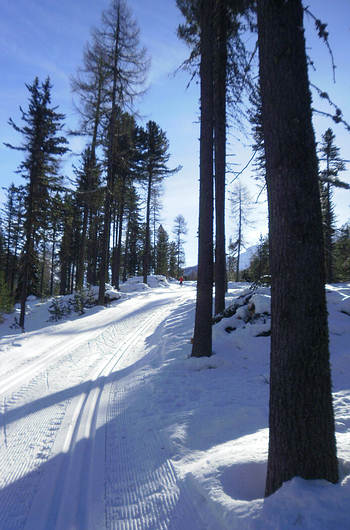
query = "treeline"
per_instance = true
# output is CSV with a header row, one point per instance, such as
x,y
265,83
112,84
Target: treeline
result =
x,y
102,225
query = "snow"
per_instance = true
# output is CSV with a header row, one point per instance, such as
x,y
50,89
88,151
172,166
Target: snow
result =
x,y
107,422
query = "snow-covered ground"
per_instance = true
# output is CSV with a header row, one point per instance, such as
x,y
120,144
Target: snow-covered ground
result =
x,y
107,423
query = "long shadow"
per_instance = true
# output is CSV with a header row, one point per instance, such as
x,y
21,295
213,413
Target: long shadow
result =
x,y
122,318
21,506
207,423
168,344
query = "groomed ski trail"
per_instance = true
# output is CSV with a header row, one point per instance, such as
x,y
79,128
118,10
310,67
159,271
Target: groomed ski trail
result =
x,y
74,457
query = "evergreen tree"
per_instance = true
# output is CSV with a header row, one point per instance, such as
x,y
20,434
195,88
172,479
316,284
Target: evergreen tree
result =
x,y
133,240
301,419
153,168
172,271
341,254
43,145
258,271
329,179
162,252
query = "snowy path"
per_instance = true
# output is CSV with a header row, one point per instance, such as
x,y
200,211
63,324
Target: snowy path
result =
x,y
69,456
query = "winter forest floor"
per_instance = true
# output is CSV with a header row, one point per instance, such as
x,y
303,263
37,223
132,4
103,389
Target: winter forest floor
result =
x,y
106,423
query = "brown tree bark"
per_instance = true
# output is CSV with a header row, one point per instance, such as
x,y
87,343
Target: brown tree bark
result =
x,y
202,338
302,440
220,151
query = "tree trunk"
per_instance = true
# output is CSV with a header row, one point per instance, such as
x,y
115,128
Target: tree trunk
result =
x,y
220,153
146,255
302,440
202,339
116,272
53,259
79,281
239,242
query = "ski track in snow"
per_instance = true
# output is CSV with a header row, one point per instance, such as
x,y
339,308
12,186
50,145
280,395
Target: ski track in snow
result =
x,y
70,458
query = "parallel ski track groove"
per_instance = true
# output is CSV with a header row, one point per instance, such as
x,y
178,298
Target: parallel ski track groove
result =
x,y
63,513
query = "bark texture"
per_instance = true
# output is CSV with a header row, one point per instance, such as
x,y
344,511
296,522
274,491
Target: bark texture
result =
x,y
220,151
202,339
302,440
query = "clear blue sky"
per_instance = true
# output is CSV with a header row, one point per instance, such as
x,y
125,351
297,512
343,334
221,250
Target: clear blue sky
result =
x,y
46,37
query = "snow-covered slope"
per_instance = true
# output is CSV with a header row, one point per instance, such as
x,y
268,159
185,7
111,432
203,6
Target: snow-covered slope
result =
x,y
108,423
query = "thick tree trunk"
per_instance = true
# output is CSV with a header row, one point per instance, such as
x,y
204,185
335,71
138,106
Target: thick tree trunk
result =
x,y
202,339
220,152
302,441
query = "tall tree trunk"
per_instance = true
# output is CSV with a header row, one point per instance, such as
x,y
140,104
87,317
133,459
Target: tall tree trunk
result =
x,y
202,338
43,268
79,280
220,152
302,440
116,272
53,259
239,242
110,169
146,254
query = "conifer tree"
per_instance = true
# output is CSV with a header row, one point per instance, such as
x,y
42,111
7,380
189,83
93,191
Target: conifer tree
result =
x,y
240,207
172,271
179,230
301,419
153,168
126,67
328,180
341,251
44,146
162,252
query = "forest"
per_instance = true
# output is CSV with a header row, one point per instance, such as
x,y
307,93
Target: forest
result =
x,y
59,235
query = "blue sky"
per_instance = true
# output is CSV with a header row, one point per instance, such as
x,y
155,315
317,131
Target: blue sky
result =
x,y
46,37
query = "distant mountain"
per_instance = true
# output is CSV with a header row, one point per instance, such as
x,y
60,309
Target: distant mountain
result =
x,y
244,262
191,272
246,257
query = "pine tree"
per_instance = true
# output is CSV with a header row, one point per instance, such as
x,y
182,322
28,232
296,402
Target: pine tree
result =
x,y
43,146
172,271
329,179
301,419
341,254
162,252
153,168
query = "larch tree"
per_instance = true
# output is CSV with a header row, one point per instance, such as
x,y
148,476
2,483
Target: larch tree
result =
x,y
241,206
301,419
202,337
126,66
43,145
179,230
